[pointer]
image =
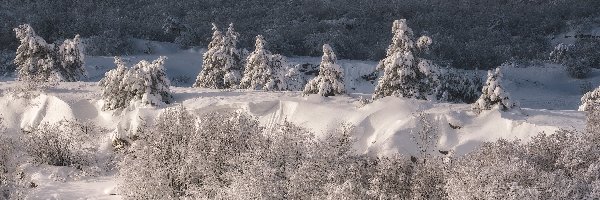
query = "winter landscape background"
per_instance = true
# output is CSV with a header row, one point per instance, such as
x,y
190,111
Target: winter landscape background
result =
x,y
311,99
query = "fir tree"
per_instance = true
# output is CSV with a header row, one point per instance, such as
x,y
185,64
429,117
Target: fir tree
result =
x,y
493,94
222,62
72,60
330,80
405,73
263,70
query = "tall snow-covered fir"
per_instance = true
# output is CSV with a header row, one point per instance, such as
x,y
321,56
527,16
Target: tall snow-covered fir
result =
x,y
72,60
222,62
405,73
264,71
330,81
493,94
145,83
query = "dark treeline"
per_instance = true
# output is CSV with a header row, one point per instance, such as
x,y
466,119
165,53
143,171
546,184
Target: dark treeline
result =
x,y
466,33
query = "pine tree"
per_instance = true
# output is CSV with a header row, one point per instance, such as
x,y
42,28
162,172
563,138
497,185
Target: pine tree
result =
x,y
72,60
405,73
211,74
35,60
330,80
493,94
234,59
264,70
222,62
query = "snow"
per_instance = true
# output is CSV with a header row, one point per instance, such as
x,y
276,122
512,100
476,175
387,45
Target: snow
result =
x,y
549,99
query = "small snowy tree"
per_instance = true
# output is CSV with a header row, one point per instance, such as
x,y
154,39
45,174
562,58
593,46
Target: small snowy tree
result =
x,y
264,70
71,59
35,60
405,73
222,62
144,83
493,94
330,80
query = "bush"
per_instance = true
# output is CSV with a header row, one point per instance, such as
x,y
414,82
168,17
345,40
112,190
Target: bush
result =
x,y
66,143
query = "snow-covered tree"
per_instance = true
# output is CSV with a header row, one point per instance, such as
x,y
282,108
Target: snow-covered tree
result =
x,y
590,100
222,62
264,70
405,73
144,83
330,80
39,62
71,59
493,94
35,60
148,82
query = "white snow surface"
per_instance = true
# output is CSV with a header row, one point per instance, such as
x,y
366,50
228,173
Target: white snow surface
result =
x,y
548,97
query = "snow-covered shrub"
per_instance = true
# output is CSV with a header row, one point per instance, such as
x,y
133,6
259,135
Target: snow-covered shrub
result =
x,y
65,143
222,63
263,70
184,156
145,83
269,170
493,94
590,99
562,165
495,171
297,76
405,73
330,81
6,154
593,119
425,136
